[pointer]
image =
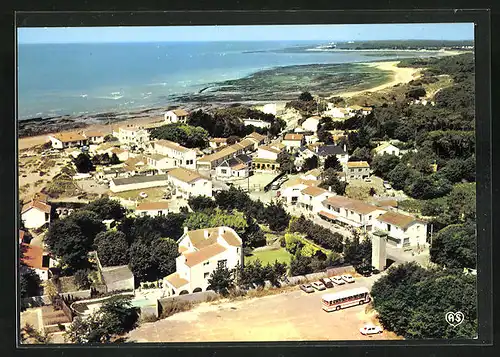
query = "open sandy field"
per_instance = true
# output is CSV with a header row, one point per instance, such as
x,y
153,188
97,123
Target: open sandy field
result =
x,y
290,316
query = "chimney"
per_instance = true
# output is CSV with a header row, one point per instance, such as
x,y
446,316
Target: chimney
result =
x,y
316,149
205,234
221,231
345,148
185,230
330,188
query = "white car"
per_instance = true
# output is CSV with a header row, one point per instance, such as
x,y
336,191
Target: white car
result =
x,y
367,179
337,280
348,278
370,330
318,285
143,194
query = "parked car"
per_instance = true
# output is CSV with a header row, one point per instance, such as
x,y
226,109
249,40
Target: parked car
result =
x,y
318,285
337,280
375,270
307,288
387,185
327,282
143,194
370,330
347,278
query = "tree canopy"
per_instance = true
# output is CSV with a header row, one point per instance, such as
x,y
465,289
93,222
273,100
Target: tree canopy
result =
x,y
112,248
185,135
454,247
409,298
106,208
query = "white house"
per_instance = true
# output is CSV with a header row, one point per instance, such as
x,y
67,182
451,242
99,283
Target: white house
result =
x,y
209,162
35,214
40,261
291,190
216,143
138,182
132,135
121,154
152,209
386,148
311,124
311,198
161,163
357,170
313,174
402,230
94,136
73,152
183,157
257,138
268,152
67,140
238,166
256,123
189,183
176,116
336,112
293,141
350,212
201,252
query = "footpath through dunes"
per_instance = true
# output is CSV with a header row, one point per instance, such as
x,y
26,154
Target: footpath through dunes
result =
x,y
401,75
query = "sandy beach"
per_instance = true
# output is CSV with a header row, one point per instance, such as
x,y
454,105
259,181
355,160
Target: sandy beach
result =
x,y
400,75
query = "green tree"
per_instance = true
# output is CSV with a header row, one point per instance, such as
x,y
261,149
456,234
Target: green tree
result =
x,y
293,242
455,246
415,92
186,135
112,248
115,317
278,218
221,280
114,159
200,203
300,265
331,180
383,164
141,261
358,252
164,254
29,283
83,163
310,163
286,162
332,162
306,97
106,208
361,154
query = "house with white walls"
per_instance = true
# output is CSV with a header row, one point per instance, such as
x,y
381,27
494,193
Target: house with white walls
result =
x,y
387,148
94,136
161,163
311,198
67,140
188,183
401,229
35,214
293,141
238,167
350,212
132,135
38,260
176,116
311,124
201,252
183,157
152,209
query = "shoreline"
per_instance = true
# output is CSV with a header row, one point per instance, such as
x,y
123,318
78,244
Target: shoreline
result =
x,y
400,75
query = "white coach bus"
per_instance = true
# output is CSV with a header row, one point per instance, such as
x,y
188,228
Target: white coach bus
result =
x,y
343,299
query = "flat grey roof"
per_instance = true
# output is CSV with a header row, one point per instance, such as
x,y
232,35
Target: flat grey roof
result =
x,y
116,273
139,179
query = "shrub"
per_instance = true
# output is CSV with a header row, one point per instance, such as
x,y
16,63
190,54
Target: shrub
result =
x,y
149,318
174,306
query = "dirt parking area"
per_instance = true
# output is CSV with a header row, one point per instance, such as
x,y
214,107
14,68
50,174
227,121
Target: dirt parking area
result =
x,y
291,316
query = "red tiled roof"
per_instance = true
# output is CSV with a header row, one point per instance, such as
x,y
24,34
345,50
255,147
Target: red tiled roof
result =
x,y
33,256
231,239
41,206
176,280
202,255
151,206
313,191
327,215
396,219
294,137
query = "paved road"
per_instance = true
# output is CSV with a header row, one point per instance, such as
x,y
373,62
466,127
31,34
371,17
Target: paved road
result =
x,y
289,316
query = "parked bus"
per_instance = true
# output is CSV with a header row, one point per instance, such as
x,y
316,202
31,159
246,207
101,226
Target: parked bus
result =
x,y
343,299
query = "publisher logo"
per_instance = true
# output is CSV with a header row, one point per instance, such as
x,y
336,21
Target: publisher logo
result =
x,y
454,318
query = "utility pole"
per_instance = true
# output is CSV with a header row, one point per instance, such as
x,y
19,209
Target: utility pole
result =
x,y
432,229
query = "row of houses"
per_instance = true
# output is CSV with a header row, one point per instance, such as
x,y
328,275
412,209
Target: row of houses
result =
x,y
402,229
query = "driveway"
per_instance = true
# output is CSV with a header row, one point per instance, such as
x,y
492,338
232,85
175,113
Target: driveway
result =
x,y
289,316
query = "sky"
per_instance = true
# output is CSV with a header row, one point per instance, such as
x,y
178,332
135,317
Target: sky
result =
x,y
352,32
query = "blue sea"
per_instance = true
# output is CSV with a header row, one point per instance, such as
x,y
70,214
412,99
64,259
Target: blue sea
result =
x,y
75,79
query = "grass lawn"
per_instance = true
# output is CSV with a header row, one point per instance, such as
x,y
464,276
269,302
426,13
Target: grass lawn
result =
x,y
154,194
270,256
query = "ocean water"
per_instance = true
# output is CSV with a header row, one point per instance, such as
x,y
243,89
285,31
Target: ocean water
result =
x,y
61,79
